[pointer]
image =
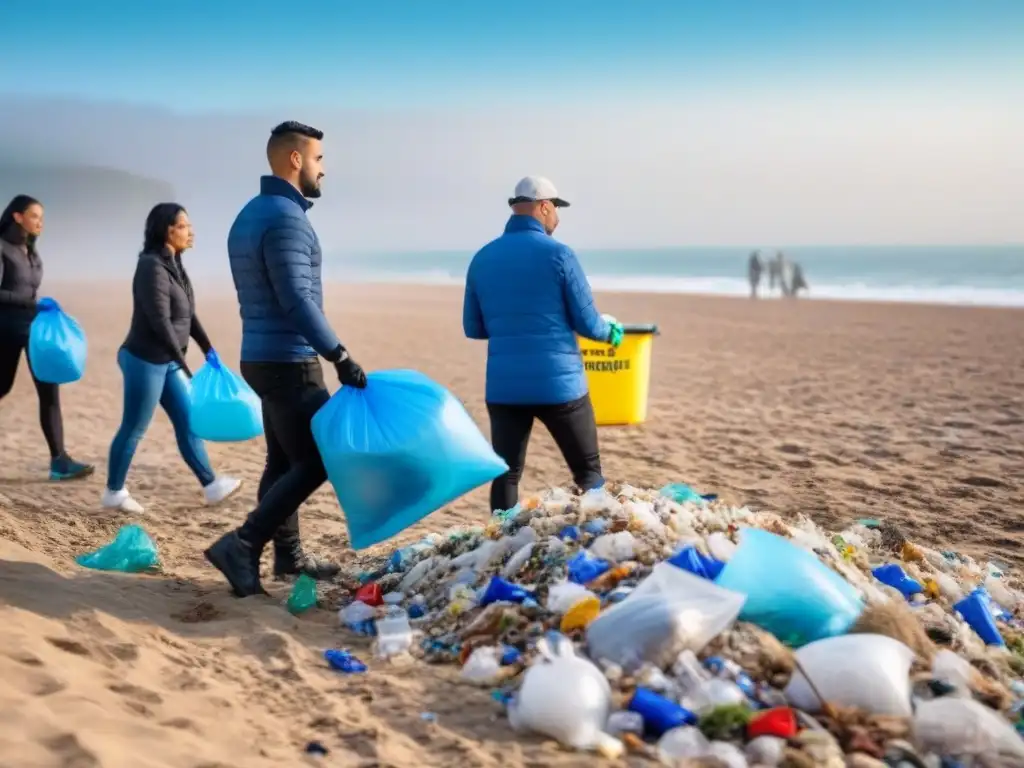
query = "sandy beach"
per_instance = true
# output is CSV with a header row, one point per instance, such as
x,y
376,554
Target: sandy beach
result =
x,y
836,410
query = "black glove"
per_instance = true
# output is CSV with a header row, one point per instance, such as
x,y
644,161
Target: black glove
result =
x,y
350,374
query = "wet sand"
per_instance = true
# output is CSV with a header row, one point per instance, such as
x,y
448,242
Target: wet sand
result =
x,y
837,410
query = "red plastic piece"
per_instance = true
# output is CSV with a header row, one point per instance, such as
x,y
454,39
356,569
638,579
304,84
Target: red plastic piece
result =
x,y
370,594
780,722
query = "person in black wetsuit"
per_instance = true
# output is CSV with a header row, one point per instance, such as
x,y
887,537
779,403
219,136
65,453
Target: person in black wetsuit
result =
x,y
21,273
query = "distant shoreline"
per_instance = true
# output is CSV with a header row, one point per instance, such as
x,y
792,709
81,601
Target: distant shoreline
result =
x,y
219,288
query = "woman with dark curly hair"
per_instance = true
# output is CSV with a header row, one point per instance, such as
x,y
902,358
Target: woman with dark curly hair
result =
x,y
21,273
152,358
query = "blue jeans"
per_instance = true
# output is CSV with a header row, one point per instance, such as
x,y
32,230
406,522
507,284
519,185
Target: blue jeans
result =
x,y
145,385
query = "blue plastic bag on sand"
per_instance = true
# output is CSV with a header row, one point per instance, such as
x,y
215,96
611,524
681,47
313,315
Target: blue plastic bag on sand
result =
x,y
397,451
224,407
56,345
131,551
789,591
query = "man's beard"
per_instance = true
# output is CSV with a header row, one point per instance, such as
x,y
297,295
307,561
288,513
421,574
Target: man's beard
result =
x,y
310,188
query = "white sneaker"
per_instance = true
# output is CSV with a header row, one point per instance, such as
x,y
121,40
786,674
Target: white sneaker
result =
x,y
121,500
220,489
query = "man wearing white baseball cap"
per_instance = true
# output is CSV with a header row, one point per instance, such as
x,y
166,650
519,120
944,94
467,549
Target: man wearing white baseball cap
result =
x,y
526,294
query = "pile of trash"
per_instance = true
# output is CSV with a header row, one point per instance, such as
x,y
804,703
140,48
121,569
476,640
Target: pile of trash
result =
x,y
667,624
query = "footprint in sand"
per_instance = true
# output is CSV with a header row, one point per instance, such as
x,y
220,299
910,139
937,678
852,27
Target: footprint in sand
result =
x,y
136,693
69,749
980,481
69,646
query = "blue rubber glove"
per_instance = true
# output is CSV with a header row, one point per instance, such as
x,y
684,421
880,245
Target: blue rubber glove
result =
x,y
213,358
47,304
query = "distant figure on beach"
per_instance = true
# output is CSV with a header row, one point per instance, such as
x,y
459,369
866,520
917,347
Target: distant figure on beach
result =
x,y
276,263
21,273
527,296
754,270
777,273
796,281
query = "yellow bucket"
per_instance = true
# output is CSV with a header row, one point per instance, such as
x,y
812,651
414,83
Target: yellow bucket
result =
x,y
620,379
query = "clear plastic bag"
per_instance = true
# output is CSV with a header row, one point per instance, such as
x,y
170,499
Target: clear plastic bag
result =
x,y
563,696
224,408
670,611
397,451
57,347
870,672
967,728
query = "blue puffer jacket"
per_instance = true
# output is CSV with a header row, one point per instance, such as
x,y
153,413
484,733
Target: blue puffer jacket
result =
x,y
276,263
527,295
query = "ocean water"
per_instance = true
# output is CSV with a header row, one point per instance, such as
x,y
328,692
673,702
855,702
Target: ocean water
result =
x,y
980,275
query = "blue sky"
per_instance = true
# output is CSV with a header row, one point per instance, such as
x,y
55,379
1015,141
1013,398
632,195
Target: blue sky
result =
x,y
227,54
666,122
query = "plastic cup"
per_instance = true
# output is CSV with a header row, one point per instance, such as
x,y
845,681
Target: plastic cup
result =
x,y
659,714
789,591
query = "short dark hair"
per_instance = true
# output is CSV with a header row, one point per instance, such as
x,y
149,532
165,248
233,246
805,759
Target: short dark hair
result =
x,y
160,219
290,133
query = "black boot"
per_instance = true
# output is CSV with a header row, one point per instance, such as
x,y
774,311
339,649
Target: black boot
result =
x,y
239,562
291,560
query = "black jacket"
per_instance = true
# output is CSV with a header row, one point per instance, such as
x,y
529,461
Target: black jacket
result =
x,y
164,312
21,274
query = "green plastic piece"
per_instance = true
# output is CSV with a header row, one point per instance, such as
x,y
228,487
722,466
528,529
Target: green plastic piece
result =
x,y
131,551
616,334
303,595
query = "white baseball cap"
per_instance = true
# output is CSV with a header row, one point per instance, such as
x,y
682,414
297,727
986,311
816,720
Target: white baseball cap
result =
x,y
534,189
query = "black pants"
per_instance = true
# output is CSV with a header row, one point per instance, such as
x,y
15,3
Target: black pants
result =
x,y
50,418
291,393
572,426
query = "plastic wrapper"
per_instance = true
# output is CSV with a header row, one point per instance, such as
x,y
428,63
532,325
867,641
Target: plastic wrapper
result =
x,y
397,451
57,347
131,551
669,612
870,672
224,408
303,595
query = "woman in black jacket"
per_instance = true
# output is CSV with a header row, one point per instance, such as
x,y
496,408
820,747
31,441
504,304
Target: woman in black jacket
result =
x,y
152,358
21,273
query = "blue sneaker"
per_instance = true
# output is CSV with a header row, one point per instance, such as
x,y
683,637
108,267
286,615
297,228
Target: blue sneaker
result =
x,y
66,468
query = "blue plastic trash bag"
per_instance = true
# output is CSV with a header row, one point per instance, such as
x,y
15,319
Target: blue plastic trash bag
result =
x,y
131,551
56,345
397,451
224,407
789,591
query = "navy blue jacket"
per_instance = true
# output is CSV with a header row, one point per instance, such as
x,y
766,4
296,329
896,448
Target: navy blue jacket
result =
x,y
276,263
527,295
